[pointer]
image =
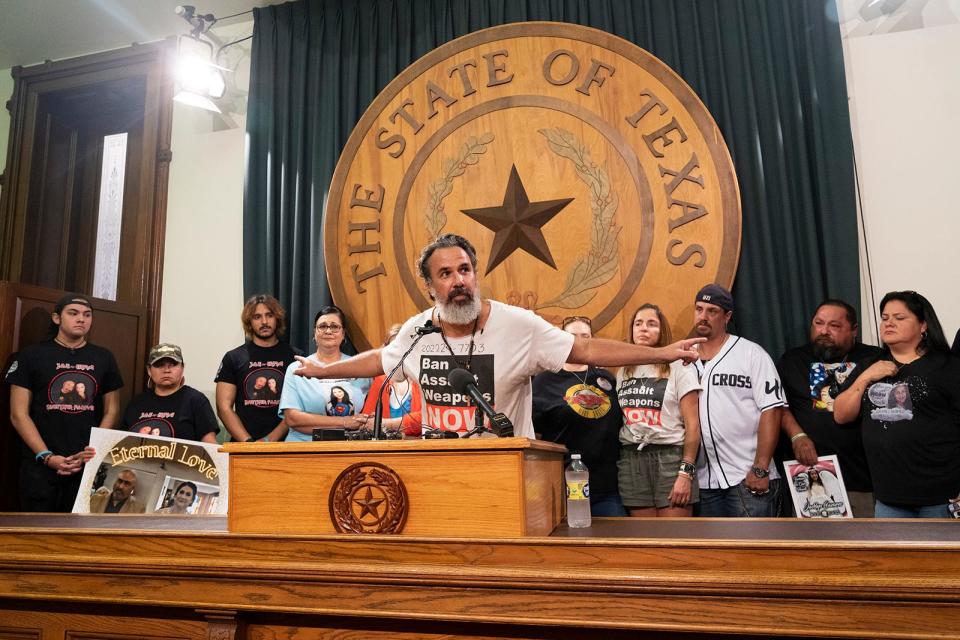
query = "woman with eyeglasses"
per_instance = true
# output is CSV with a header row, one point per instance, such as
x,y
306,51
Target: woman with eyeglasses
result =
x,y
661,427
908,404
312,403
577,407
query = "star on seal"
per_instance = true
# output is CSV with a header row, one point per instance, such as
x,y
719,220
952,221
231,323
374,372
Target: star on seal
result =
x,y
517,223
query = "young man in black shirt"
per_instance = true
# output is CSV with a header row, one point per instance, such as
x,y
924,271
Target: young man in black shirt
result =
x,y
250,377
812,376
59,390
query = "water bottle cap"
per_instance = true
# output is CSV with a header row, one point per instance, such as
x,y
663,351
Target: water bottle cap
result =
x,y
574,456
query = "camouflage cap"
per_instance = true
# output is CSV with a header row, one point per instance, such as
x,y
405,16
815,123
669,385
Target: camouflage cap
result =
x,y
165,350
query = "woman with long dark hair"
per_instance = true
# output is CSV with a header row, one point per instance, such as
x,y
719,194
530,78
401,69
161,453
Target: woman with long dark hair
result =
x,y
661,427
908,403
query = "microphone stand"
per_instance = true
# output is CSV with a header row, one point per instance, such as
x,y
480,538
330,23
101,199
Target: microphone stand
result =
x,y
378,411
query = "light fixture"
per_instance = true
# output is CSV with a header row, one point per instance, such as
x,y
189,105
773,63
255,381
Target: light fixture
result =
x,y
198,76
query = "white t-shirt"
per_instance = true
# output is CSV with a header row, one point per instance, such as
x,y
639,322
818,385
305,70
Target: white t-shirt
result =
x,y
651,405
515,345
739,384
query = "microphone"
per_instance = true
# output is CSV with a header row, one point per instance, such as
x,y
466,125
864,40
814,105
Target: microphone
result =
x,y
463,382
378,409
428,328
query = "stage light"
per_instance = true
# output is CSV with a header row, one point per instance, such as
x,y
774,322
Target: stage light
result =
x,y
198,77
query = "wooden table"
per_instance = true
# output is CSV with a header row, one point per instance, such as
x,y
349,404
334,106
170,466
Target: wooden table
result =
x,y
187,577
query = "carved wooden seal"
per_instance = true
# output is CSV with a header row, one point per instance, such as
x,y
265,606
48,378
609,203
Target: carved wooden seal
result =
x,y
589,176
368,497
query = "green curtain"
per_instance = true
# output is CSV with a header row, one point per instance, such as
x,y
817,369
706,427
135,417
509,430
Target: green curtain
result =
x,y
770,71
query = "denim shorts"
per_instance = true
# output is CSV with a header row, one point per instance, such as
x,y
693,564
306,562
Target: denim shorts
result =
x,y
646,477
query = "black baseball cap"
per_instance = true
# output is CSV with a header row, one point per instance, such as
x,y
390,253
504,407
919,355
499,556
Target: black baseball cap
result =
x,y
715,294
72,298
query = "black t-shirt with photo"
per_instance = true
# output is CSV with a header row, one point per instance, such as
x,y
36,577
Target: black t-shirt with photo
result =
x,y
811,386
67,387
257,373
585,418
911,431
184,414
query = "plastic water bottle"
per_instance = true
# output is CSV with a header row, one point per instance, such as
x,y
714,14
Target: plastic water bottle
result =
x,y
578,493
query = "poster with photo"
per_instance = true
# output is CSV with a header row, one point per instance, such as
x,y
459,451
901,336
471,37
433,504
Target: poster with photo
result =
x,y
147,474
818,491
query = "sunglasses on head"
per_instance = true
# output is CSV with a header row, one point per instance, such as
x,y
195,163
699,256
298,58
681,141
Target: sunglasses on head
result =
x,y
571,319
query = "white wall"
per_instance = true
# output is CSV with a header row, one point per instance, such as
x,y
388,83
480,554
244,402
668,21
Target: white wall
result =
x,y
203,253
904,88
202,264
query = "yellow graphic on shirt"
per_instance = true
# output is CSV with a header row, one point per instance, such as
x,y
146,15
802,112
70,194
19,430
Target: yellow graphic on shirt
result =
x,y
587,400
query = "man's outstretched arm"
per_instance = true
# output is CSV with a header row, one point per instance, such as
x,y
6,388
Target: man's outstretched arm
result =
x,y
362,365
603,352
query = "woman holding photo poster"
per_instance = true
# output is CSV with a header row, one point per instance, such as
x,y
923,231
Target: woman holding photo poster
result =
x,y
908,403
169,407
661,427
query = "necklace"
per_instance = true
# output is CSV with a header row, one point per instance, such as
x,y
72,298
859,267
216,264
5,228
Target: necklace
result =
x,y
473,334
80,345
583,380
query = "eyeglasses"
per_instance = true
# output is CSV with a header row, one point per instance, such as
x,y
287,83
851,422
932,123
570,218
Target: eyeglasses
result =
x,y
328,328
584,319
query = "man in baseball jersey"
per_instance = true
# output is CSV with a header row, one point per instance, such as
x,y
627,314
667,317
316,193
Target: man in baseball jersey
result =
x,y
739,416
501,345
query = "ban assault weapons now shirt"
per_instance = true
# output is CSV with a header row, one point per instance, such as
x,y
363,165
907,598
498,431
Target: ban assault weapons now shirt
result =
x,y
67,387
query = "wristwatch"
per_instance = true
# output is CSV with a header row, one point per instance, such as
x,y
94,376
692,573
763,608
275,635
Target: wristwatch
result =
x,y
688,468
42,457
760,472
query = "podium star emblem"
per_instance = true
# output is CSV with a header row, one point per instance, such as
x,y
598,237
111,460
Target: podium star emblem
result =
x,y
517,223
369,505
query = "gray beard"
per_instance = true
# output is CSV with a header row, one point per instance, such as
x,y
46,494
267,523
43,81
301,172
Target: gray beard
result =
x,y
454,313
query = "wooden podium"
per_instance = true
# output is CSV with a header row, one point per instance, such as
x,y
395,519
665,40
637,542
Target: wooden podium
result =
x,y
471,488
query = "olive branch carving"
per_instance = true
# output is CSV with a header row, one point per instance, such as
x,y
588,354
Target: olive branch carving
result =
x,y
598,266
341,498
470,153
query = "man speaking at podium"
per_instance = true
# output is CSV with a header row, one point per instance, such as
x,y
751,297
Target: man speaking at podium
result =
x,y
501,345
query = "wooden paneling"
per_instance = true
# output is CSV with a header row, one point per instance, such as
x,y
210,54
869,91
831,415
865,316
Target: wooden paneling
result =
x,y
687,578
70,623
48,207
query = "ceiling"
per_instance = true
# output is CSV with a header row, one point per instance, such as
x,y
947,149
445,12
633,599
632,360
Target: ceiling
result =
x,y
32,31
